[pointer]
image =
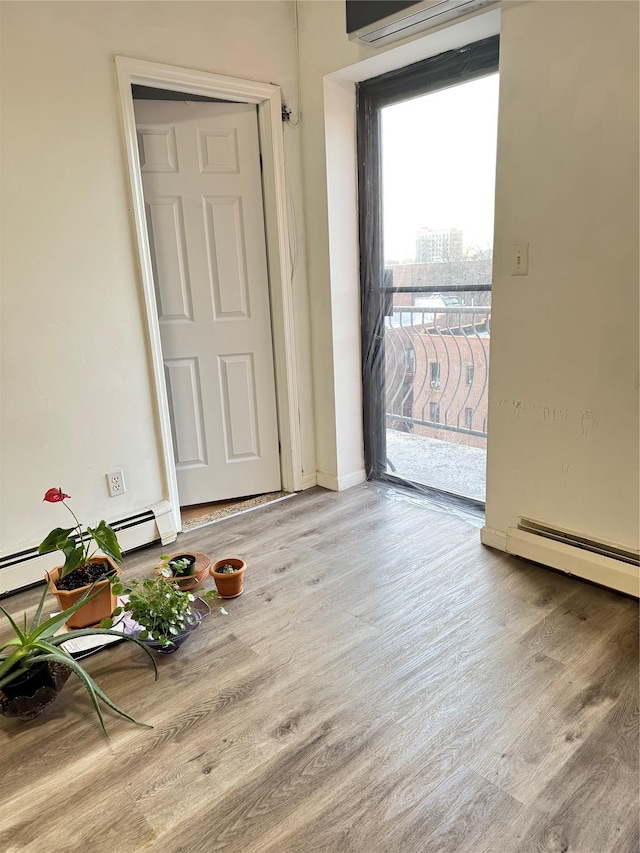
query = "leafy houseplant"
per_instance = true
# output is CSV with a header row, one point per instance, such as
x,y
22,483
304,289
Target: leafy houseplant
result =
x,y
82,566
34,666
165,615
77,553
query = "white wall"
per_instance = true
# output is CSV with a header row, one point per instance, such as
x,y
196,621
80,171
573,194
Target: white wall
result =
x,y
73,334
76,399
563,425
563,402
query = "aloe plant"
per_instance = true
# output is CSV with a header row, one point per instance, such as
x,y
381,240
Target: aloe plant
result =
x,y
37,643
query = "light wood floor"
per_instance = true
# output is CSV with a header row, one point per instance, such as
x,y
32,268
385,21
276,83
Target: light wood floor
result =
x,y
384,685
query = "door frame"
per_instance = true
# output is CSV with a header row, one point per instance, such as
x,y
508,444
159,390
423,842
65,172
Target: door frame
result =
x,y
268,99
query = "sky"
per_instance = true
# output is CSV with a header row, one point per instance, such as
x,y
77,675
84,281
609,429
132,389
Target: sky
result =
x,y
438,165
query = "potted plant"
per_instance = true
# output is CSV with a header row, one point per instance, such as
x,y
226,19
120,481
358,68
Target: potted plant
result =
x,y
187,570
159,613
82,567
228,575
182,565
34,666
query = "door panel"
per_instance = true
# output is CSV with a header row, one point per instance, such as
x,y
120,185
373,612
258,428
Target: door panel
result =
x,y
203,194
184,391
218,151
169,256
223,217
238,393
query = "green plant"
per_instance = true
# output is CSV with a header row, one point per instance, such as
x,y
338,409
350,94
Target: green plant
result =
x,y
175,566
228,569
159,606
75,549
37,643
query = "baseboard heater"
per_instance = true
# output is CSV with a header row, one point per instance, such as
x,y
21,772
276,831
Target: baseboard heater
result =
x,y
602,562
25,568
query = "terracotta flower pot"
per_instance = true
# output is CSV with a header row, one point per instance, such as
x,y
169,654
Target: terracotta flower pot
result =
x,y
186,582
92,613
229,585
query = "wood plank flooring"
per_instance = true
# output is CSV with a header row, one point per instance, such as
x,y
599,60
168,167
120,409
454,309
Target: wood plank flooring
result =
x,y
384,685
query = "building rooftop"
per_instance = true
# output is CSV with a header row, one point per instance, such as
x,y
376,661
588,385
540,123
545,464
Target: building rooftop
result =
x,y
440,464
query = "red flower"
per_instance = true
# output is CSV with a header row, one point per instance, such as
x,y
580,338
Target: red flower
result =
x,y
55,495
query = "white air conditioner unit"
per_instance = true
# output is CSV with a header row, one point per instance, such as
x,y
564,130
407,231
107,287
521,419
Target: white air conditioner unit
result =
x,y
415,19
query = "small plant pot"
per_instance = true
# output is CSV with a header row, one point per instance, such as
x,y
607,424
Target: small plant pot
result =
x,y
99,608
201,563
229,585
177,641
189,571
28,696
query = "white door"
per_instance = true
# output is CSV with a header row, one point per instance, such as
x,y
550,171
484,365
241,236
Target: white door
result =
x,y
201,174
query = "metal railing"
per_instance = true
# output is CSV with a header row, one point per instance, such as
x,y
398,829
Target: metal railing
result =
x,y
436,371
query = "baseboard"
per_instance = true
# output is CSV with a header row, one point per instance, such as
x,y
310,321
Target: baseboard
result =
x,y
339,484
493,538
309,481
327,481
353,479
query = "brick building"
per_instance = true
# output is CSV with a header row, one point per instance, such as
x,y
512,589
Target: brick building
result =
x,y
437,355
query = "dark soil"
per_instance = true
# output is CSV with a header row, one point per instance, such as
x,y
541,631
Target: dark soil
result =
x,y
84,575
31,680
32,699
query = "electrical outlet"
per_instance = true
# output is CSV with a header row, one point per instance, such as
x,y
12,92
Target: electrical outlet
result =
x,y
115,483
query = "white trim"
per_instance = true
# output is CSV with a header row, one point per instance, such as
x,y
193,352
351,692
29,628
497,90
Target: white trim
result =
x,y
269,102
346,481
309,481
493,538
327,481
339,484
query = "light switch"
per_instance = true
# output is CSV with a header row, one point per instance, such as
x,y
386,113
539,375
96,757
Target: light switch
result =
x,y
519,259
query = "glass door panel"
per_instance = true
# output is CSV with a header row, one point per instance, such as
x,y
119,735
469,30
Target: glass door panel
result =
x,y
438,154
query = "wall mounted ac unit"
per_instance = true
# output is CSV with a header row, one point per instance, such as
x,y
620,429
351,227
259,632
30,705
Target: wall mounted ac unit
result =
x,y
415,19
